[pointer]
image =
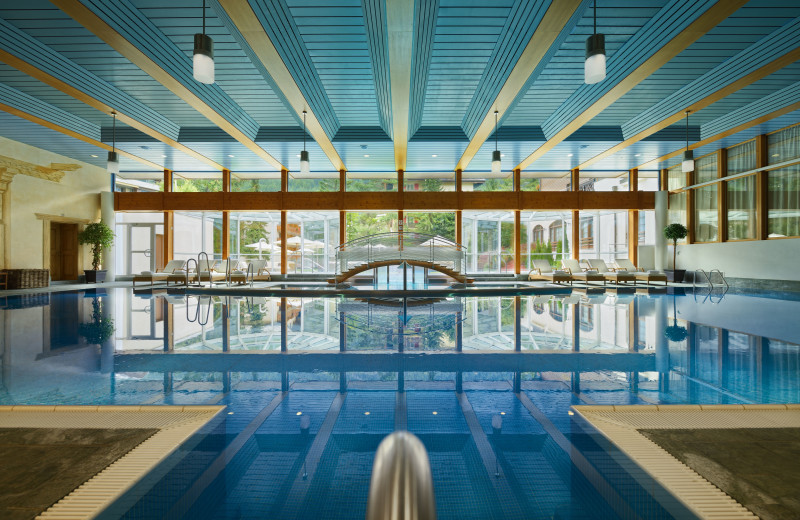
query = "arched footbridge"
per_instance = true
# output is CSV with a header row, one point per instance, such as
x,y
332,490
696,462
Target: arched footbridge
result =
x,y
415,249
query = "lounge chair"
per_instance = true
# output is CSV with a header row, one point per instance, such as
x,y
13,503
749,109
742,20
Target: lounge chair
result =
x,y
172,266
542,270
612,276
573,267
641,275
205,271
260,273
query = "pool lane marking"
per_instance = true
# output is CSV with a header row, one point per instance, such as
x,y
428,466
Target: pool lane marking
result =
x,y
505,495
296,498
400,412
184,504
607,492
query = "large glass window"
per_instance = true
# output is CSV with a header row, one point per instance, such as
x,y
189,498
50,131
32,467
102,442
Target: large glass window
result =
x,y
604,234
140,181
424,181
783,185
196,231
480,182
604,181
358,181
741,193
364,223
544,235
677,209
489,238
255,181
140,242
675,178
545,181
190,182
439,223
256,234
312,240
314,185
706,217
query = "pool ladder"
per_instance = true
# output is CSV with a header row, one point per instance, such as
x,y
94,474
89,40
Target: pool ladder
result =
x,y
708,277
711,294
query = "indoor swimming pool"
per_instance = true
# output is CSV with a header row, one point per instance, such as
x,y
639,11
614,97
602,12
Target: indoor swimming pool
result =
x,y
312,385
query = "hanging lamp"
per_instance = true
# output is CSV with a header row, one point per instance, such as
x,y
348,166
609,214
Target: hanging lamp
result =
x,y
305,166
688,156
203,60
496,153
594,68
113,160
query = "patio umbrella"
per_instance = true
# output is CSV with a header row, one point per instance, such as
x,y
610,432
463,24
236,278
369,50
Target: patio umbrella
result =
x,y
438,241
262,245
292,242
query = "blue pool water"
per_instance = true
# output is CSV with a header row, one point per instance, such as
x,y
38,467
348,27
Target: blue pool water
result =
x,y
441,368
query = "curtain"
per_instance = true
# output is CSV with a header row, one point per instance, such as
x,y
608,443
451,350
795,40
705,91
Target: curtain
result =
x,y
784,184
706,216
741,194
675,177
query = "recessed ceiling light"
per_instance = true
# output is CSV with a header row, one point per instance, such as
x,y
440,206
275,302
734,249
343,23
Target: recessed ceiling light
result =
x,y
95,156
637,155
230,155
434,155
366,155
570,154
502,155
435,413
298,155
299,413
163,155
366,413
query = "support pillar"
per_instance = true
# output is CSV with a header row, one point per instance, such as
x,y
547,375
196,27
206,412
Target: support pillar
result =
x,y
283,243
169,223
108,216
575,249
517,323
660,253
517,241
283,325
226,226
762,189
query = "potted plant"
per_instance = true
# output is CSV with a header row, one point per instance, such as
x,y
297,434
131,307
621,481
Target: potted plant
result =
x,y
675,232
100,328
99,236
675,332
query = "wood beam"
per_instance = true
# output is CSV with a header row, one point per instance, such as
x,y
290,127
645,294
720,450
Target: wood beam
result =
x,y
259,41
556,17
459,237
169,236
342,180
633,236
663,179
575,179
66,131
283,244
226,234
704,23
517,240
342,227
167,180
575,250
400,28
97,25
633,179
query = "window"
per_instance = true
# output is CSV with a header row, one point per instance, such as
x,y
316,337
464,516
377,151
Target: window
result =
x,y
706,216
587,232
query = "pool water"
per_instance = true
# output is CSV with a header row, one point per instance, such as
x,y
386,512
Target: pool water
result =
x,y
360,368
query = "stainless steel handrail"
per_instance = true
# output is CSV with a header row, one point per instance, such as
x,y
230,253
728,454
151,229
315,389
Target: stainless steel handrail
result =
x,y
401,487
721,277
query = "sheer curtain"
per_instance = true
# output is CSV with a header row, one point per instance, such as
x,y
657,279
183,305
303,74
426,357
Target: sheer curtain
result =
x,y
784,184
706,216
742,192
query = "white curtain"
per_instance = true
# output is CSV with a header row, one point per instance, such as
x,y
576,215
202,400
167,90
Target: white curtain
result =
x,y
784,184
742,192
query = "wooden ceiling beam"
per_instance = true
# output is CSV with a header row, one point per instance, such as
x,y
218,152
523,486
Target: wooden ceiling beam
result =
x,y
400,24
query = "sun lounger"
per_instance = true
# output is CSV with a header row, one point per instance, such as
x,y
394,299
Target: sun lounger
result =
x,y
542,270
172,267
640,274
573,267
612,276
205,272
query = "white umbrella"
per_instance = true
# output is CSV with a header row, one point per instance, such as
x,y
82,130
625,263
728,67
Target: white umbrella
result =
x,y
296,241
438,241
262,245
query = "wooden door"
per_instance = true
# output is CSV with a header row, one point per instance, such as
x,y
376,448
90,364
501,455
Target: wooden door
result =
x,y
69,251
55,251
160,263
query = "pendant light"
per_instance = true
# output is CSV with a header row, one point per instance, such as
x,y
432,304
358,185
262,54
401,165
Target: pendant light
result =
x,y
496,153
113,160
203,61
305,166
688,156
594,68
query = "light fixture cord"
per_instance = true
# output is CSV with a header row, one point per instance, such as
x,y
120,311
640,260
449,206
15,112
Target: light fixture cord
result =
x,y
204,16
687,130
113,131
595,17
495,131
304,130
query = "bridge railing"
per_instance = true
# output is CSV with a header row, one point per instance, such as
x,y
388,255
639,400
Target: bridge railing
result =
x,y
400,246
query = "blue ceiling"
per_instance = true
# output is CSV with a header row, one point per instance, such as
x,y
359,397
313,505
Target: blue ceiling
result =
x,y
337,52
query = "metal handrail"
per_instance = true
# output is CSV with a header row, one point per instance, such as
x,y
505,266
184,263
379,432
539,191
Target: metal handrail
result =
x,y
721,277
189,270
200,256
708,279
401,486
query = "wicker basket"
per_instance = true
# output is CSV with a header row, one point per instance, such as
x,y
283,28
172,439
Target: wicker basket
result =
x,y
28,278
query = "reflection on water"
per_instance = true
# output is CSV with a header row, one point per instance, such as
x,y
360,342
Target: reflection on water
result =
x,y
359,369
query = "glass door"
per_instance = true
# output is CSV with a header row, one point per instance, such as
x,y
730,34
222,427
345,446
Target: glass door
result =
x,y
141,248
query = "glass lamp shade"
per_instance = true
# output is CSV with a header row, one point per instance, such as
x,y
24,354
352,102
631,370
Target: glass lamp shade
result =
x,y
203,61
688,162
594,68
113,163
305,166
496,162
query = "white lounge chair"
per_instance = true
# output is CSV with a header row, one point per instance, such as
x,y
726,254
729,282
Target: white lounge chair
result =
x,y
640,274
172,267
573,267
612,276
542,270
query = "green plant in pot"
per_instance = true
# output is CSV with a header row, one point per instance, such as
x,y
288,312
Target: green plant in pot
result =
x,y
675,232
100,328
99,236
675,332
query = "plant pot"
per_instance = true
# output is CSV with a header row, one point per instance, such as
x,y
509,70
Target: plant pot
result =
x,y
93,276
675,275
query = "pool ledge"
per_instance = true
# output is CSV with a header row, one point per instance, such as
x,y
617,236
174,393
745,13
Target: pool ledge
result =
x,y
175,425
620,425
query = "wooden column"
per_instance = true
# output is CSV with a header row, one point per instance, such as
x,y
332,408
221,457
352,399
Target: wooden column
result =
x,y
663,180
633,219
284,181
690,208
459,238
762,189
722,196
517,179
169,222
283,243
575,176
226,226
460,203
517,240
342,180
400,186
342,227
575,179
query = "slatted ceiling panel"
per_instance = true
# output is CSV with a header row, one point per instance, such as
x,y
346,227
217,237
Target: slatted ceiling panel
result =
x,y
23,131
755,109
179,20
426,13
467,32
35,107
637,154
288,152
335,37
513,152
744,28
54,28
447,154
381,155
619,21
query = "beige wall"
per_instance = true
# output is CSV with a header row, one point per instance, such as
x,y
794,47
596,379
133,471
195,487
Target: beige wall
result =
x,y
76,196
762,259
